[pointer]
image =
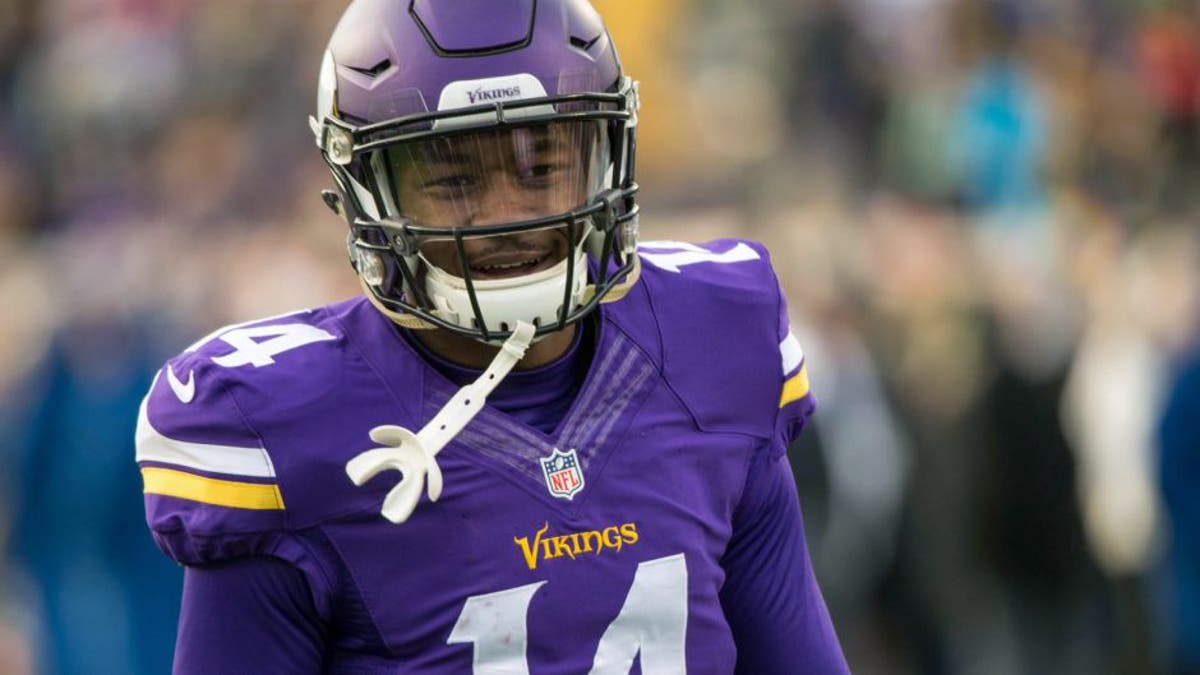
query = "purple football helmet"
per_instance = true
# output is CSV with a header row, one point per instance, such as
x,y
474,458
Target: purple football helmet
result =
x,y
483,153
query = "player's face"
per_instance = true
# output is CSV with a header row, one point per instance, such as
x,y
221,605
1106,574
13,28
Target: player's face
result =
x,y
494,177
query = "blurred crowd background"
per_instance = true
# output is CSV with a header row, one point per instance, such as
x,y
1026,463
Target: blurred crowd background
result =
x,y
985,213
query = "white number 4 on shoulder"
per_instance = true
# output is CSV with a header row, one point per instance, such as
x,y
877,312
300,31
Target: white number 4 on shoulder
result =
x,y
258,345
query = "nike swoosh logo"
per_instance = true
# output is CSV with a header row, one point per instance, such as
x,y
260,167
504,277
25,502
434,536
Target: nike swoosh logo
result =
x,y
184,392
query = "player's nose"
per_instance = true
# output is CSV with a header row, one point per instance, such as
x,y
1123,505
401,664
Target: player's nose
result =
x,y
504,200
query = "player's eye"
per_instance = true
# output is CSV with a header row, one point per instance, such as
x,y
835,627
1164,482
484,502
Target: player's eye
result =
x,y
543,174
449,184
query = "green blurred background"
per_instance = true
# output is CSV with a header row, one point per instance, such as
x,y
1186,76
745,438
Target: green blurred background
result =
x,y
984,213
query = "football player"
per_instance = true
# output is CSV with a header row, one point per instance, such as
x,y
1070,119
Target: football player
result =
x,y
530,446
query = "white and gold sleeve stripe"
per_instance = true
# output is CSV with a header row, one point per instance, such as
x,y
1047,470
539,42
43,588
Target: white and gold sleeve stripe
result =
x,y
233,462
795,371
218,492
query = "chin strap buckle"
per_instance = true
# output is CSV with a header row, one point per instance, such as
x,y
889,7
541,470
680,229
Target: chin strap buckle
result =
x,y
414,455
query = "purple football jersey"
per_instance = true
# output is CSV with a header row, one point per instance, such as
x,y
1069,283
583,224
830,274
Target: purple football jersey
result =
x,y
655,531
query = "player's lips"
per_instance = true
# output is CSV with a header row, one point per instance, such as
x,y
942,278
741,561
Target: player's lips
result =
x,y
510,264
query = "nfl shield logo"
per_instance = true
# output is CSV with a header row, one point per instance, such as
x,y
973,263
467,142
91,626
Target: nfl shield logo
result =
x,y
563,477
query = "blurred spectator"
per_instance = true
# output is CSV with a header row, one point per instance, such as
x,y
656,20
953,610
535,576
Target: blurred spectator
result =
x,y
835,96
1179,467
998,139
1169,51
103,596
852,516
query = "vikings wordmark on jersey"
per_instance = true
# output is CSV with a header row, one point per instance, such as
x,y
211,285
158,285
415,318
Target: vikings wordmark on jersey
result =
x,y
572,544
605,546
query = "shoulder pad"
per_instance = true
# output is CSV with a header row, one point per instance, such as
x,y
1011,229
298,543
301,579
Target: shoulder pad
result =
x,y
211,487
717,307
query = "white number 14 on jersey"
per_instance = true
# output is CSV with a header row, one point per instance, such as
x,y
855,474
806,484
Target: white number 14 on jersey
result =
x,y
653,621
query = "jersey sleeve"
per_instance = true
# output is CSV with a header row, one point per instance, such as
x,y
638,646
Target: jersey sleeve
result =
x,y
771,598
210,487
248,615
